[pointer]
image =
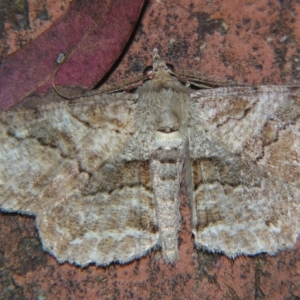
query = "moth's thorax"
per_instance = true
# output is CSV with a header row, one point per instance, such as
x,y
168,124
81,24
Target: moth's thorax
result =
x,y
163,105
162,75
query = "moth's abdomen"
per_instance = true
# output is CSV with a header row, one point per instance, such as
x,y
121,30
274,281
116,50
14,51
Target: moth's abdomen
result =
x,y
167,158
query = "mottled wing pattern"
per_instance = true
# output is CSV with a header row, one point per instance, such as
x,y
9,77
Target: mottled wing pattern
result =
x,y
64,162
245,156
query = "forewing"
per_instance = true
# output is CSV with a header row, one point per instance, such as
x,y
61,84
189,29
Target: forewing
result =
x,y
245,152
44,146
64,162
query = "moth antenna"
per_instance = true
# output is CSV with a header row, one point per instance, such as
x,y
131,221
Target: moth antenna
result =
x,y
119,88
108,90
204,81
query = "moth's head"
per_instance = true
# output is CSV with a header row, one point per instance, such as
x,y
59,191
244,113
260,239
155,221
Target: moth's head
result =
x,y
159,68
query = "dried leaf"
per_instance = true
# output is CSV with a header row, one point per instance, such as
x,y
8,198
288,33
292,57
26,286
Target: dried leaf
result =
x,y
93,33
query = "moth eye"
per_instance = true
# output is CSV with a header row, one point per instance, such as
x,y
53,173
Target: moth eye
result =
x,y
148,72
170,67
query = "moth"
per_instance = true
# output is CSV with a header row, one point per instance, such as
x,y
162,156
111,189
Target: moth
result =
x,y
102,174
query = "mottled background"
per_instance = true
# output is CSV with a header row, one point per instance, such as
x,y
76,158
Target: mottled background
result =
x,y
253,42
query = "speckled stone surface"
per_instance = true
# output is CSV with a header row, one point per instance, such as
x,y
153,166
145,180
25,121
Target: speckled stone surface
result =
x,y
253,43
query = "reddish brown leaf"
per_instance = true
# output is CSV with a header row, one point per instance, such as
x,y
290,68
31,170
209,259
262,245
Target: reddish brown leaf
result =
x,y
92,33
